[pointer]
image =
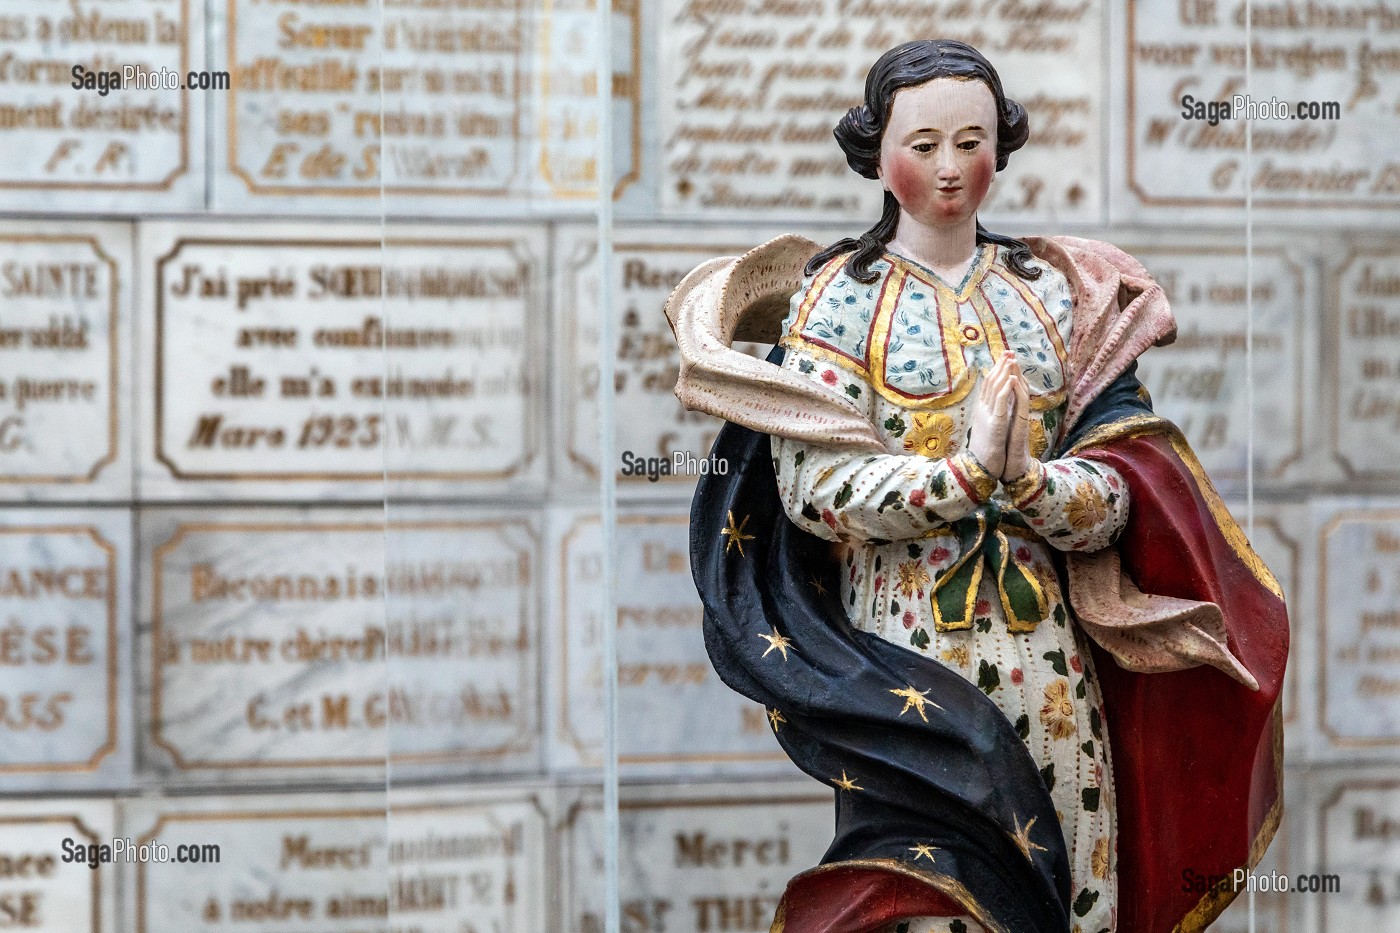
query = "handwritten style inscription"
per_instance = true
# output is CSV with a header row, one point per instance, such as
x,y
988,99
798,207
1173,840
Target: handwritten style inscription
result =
x,y
1301,52
305,359
1365,426
1360,842
305,114
344,864
59,340
657,427
569,98
1360,630
698,863
752,89
58,644
1198,382
41,892
674,709
272,646
52,135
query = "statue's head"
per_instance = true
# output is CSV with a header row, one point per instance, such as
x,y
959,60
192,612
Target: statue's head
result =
x,y
934,128
931,84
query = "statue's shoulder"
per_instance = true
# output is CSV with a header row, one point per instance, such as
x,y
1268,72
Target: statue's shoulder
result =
x,y
1075,257
1050,286
832,309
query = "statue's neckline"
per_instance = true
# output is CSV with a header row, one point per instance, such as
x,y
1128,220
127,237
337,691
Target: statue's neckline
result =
x,y
980,263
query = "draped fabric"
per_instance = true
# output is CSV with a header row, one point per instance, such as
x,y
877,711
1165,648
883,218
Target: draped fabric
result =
x,y
940,808
1197,756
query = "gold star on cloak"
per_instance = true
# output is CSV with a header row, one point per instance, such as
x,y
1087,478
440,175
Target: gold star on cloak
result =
x,y
774,718
923,851
1023,837
915,699
775,641
847,783
735,534
817,585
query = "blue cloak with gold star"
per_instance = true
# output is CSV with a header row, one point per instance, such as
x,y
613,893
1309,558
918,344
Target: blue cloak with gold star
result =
x,y
940,808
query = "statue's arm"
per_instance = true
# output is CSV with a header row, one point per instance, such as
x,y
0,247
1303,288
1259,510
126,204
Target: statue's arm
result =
x,y
1075,504
839,495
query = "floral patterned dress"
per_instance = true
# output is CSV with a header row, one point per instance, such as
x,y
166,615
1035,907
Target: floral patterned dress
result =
x,y
940,557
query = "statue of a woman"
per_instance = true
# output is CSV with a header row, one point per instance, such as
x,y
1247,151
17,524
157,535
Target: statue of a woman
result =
x,y
985,593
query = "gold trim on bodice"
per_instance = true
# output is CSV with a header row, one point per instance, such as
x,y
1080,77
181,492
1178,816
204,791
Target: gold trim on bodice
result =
x,y
956,335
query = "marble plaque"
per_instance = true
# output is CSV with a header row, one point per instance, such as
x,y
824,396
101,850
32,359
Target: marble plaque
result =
x,y
1180,167
674,713
420,108
65,425
50,885
652,425
1364,293
287,362
697,859
565,150
291,645
76,139
462,861
750,93
1358,825
65,602
342,863
1200,381
1358,650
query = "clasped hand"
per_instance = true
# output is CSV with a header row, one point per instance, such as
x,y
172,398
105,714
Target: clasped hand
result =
x,y
1001,418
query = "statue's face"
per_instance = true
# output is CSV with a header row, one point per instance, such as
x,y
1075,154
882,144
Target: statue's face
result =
x,y
938,154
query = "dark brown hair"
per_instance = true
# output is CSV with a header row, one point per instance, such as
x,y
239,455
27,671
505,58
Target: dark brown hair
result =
x,y
860,131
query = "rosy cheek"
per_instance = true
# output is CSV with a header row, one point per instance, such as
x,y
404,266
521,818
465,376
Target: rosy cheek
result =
x,y
907,180
979,177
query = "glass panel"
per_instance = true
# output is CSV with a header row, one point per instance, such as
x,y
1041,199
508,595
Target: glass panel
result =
x,y
259,480
490,160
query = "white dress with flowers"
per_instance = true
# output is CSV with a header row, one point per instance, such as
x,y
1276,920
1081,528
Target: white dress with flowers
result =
x,y
908,351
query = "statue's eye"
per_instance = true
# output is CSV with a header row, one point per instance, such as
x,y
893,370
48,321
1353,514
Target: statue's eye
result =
x,y
923,147
968,145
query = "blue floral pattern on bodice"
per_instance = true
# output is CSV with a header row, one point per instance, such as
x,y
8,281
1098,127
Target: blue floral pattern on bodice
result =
x,y
921,342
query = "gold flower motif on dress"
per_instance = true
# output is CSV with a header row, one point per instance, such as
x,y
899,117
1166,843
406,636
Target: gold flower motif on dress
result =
x,y
1057,715
930,435
955,656
1098,861
912,578
1085,508
1049,581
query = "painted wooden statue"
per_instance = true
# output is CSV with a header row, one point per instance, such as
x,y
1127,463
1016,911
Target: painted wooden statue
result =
x,y
983,591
